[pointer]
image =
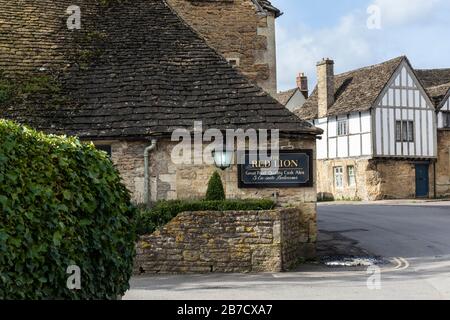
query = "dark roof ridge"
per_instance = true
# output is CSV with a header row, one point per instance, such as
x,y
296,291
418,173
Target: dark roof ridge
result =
x,y
434,69
374,66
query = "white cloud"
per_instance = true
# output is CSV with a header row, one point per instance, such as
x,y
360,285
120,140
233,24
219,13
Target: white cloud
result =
x,y
415,28
396,12
346,43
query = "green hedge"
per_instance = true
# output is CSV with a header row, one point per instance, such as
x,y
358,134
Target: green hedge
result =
x,y
62,203
164,211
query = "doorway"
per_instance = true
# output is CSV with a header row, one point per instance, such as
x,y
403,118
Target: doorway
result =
x,y
422,180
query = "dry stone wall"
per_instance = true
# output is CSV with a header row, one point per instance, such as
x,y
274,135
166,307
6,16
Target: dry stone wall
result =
x,y
231,241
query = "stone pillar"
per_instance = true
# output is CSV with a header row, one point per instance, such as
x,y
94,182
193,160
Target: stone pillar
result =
x,y
325,86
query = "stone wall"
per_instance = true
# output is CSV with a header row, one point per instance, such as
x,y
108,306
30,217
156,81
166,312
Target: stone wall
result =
x,y
203,242
376,179
236,30
170,181
443,164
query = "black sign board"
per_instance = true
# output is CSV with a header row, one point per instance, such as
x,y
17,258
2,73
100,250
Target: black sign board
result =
x,y
290,169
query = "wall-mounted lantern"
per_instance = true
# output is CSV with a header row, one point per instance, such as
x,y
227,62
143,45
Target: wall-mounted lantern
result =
x,y
223,158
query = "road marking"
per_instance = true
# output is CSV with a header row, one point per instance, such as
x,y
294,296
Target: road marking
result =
x,y
405,262
399,263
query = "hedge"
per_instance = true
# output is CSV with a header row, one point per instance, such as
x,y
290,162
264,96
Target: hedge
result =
x,y
62,204
164,211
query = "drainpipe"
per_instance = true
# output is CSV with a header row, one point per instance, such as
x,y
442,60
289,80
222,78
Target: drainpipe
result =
x,y
147,151
434,179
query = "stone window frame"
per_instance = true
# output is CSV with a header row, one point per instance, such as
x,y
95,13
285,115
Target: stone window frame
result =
x,y
351,176
234,62
338,175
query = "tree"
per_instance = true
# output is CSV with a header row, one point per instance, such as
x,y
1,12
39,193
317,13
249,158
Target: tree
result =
x,y
215,190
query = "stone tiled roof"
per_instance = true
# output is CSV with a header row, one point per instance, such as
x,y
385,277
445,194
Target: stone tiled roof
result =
x,y
438,93
269,7
133,69
436,82
433,77
355,90
284,96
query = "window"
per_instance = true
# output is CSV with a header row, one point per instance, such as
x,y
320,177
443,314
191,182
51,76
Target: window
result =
x,y
338,177
105,148
404,131
351,176
446,118
342,127
234,62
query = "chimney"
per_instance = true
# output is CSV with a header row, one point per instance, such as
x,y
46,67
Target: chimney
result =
x,y
302,84
325,85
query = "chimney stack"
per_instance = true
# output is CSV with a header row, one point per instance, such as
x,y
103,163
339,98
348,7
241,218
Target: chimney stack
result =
x,y
302,84
325,85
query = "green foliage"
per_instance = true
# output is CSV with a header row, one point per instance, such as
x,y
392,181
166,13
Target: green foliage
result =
x,y
164,211
61,203
5,91
215,191
29,86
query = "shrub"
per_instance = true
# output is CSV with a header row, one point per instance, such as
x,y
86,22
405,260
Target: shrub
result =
x,y
215,191
164,211
61,203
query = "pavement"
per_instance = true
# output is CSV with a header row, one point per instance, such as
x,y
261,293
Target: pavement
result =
x,y
411,238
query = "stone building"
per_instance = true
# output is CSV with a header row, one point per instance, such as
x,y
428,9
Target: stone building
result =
x,y
437,83
380,132
243,31
378,120
295,98
133,74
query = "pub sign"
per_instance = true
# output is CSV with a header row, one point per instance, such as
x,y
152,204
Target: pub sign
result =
x,y
289,169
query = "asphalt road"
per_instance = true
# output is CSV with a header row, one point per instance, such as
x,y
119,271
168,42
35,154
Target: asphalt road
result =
x,y
416,239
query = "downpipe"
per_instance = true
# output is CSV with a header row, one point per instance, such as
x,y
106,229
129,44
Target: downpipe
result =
x,y
147,151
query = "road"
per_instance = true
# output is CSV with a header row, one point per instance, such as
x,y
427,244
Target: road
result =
x,y
415,238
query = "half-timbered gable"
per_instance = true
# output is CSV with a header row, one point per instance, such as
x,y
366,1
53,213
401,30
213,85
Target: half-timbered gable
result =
x,y
404,118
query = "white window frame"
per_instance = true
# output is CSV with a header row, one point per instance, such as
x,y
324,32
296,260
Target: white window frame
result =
x,y
351,176
446,119
338,175
342,127
404,131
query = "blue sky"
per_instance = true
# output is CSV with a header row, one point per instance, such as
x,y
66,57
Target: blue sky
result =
x,y
311,30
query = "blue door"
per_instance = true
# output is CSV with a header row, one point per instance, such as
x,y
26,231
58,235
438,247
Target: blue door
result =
x,y
422,180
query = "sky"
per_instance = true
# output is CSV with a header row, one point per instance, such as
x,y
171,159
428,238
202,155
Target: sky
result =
x,y
358,33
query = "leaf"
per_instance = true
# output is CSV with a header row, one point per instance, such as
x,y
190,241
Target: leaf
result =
x,y
57,236
67,195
